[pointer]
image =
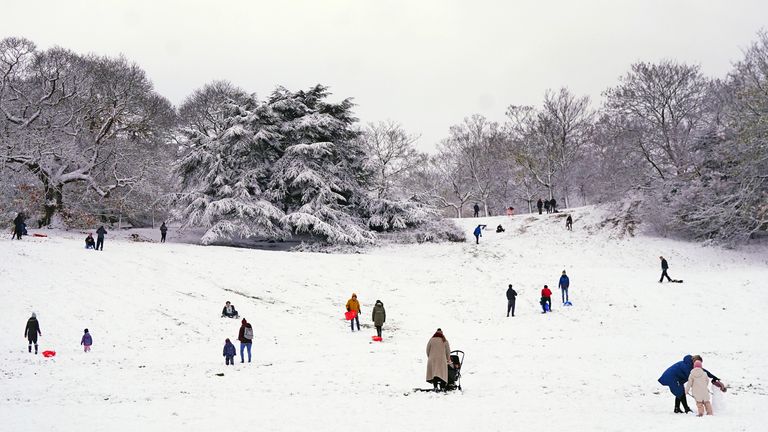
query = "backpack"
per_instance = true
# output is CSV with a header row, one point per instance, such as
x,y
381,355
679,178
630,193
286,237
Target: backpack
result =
x,y
248,333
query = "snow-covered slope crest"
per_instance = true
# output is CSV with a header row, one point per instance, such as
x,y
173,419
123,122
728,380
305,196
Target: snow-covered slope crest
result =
x,y
154,313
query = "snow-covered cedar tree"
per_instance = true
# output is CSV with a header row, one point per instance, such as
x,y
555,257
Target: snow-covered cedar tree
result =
x,y
288,165
220,173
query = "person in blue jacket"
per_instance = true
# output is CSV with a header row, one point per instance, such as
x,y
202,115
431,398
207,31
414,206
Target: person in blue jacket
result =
x,y
563,284
478,233
675,378
229,353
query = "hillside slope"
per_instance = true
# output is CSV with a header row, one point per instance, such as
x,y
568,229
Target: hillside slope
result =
x,y
154,311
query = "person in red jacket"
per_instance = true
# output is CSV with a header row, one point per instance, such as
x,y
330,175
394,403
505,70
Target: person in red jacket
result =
x,y
546,299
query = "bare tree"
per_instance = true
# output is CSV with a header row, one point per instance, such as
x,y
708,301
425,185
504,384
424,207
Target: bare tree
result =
x,y
77,119
391,155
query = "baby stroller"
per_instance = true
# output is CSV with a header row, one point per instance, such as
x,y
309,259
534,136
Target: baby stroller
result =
x,y
454,370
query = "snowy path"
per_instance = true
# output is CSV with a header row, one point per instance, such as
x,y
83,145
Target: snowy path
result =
x,y
153,311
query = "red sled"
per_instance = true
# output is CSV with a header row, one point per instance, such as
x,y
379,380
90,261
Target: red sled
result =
x,y
350,315
49,353
376,338
39,235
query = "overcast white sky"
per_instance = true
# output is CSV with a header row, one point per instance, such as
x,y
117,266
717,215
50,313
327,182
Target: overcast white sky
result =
x,y
426,64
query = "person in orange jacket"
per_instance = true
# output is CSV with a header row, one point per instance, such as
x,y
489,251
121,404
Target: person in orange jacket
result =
x,y
354,305
546,299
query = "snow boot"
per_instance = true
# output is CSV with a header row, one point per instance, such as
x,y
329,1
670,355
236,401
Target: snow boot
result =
x,y
30,349
684,400
677,406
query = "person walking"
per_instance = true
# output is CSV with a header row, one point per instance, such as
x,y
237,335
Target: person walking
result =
x,y
546,206
86,341
563,285
229,353
477,210
478,233
354,305
539,205
553,205
438,357
546,299
379,316
18,226
100,233
569,223
698,387
511,296
664,268
32,331
245,336
163,232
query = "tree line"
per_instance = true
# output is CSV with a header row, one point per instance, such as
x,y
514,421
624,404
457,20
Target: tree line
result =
x,y
87,137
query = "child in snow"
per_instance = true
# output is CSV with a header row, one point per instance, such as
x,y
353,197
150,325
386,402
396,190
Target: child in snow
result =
x,y
90,243
86,341
698,387
229,352
478,233
499,229
546,299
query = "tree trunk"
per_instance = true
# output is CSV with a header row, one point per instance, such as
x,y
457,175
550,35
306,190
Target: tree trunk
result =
x,y
54,202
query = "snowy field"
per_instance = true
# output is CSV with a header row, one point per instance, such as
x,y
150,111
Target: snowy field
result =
x,y
153,310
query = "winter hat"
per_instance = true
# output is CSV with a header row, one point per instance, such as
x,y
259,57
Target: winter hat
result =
x,y
354,295
697,364
227,341
86,330
563,271
34,315
243,321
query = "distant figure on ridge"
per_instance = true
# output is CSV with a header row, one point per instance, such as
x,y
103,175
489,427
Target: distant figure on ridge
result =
x,y
18,226
539,205
478,233
100,233
546,206
163,232
553,205
477,210
569,223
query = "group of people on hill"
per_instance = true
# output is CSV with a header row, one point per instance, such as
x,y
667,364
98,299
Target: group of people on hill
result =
x,y
546,296
550,206
379,315
244,336
32,332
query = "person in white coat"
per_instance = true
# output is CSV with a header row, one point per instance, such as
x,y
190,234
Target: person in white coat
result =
x,y
698,387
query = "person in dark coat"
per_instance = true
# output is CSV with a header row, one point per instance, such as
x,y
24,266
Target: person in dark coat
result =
x,y
546,206
32,331
511,296
100,233
500,229
539,205
477,210
478,233
569,223
163,232
675,378
86,341
563,285
664,268
90,243
553,205
229,311
245,336
229,353
18,226
379,316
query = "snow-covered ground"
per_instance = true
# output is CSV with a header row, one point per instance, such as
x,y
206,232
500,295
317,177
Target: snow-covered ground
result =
x,y
153,311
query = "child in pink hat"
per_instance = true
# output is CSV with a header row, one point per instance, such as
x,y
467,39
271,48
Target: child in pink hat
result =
x,y
698,387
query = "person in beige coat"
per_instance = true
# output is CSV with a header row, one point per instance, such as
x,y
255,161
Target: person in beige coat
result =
x,y
438,357
698,387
